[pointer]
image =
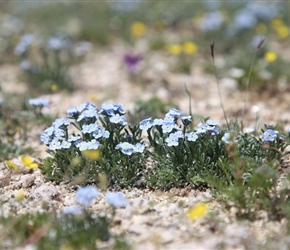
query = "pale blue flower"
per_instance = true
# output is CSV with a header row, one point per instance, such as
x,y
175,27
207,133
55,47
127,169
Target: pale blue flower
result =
x,y
39,102
174,113
82,145
90,128
88,113
201,129
58,133
112,109
101,132
75,210
212,123
186,119
60,122
23,44
72,112
172,140
192,136
139,147
93,144
244,19
106,134
270,135
158,122
226,138
46,135
55,144
85,195
118,119
179,134
146,124
86,106
74,138
65,144
126,148
107,109
116,199
56,43
167,127
211,21
168,118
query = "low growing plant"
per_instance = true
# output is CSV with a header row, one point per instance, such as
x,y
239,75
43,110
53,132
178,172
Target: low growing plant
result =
x,y
76,227
93,142
45,66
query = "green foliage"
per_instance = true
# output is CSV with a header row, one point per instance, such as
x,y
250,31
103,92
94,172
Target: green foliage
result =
x,y
52,231
16,121
116,157
257,184
46,68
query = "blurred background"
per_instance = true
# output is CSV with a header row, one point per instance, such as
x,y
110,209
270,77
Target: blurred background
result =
x,y
61,47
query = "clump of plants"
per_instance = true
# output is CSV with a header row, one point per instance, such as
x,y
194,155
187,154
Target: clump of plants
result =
x,y
76,227
45,65
92,142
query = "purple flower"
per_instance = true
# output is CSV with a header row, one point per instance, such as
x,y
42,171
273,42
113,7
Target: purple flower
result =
x,y
131,61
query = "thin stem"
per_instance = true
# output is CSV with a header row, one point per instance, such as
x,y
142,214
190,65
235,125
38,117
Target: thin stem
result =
x,y
189,99
218,84
260,44
247,85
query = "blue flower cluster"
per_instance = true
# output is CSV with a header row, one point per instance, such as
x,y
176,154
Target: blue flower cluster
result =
x,y
38,102
128,148
90,121
85,196
171,127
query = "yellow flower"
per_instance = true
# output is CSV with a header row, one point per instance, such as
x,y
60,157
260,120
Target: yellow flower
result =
x,y
28,162
197,211
138,29
54,88
174,49
93,98
261,28
190,48
283,31
20,195
270,56
11,165
92,154
276,23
